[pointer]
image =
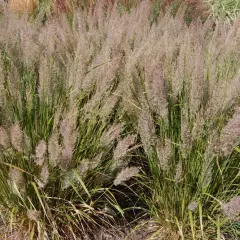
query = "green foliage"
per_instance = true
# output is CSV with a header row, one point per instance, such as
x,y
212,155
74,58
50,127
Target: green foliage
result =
x,y
225,9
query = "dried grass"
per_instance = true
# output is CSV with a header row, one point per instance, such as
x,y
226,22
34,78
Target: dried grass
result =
x,y
22,5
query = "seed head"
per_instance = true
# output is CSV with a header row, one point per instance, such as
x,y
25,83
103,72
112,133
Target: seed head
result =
x,y
230,135
147,130
54,150
123,146
17,179
41,150
231,209
179,172
125,175
16,135
33,215
4,138
67,154
44,175
111,135
192,206
164,153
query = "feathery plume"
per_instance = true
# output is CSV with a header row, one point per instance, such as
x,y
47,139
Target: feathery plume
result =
x,y
125,175
196,82
123,146
40,152
57,116
110,135
4,138
84,166
209,157
179,172
33,215
207,169
231,209
45,84
230,135
39,182
164,152
147,130
193,206
198,125
68,179
89,164
64,128
156,88
54,149
109,106
16,135
17,180
69,137
66,158
44,175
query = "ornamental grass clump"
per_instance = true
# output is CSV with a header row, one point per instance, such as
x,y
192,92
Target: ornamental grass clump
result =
x,y
57,144
108,116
